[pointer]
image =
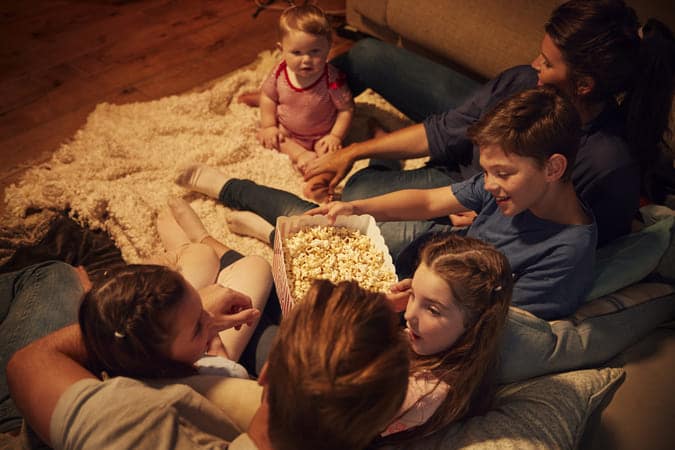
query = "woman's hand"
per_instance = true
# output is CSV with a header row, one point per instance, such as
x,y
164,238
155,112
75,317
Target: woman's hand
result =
x,y
337,163
332,210
399,294
228,308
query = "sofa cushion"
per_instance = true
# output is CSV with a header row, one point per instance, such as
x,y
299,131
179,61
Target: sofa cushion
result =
x,y
483,39
631,258
545,412
375,11
594,334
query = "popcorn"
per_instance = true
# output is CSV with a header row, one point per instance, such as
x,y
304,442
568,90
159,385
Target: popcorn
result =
x,y
336,254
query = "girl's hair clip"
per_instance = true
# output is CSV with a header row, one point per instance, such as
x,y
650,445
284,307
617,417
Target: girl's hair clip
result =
x,y
119,335
498,288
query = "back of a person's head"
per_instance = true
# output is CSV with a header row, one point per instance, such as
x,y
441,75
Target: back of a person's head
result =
x,y
124,322
535,123
307,18
338,372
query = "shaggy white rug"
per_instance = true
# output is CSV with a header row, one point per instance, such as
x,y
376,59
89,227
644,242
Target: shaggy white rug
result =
x,y
118,170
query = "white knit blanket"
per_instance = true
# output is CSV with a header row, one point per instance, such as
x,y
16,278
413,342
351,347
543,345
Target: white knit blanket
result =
x,y
118,170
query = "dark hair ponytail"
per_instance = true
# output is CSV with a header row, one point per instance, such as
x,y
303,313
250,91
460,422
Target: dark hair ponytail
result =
x,y
647,104
599,39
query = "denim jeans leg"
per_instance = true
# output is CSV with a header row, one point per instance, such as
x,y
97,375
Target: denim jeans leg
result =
x,y
377,180
38,300
415,85
267,202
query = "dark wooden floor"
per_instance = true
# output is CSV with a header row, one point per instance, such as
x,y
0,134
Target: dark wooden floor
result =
x,y
59,58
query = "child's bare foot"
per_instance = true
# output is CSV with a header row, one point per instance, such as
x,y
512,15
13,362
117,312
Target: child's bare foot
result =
x,y
301,162
375,128
250,98
188,220
202,178
170,233
247,223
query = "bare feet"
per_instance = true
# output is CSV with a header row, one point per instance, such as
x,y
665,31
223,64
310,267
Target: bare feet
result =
x,y
303,159
247,223
170,233
250,98
188,220
203,179
375,128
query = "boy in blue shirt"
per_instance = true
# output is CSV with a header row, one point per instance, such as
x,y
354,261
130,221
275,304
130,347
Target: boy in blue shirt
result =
x,y
525,200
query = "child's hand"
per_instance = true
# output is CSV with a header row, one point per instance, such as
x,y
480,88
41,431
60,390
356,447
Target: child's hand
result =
x,y
270,137
332,210
303,160
327,144
399,295
228,308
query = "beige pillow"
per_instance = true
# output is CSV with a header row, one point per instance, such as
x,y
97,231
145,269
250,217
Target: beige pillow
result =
x,y
545,412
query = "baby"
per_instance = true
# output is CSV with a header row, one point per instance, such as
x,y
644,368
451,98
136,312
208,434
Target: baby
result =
x,y
305,104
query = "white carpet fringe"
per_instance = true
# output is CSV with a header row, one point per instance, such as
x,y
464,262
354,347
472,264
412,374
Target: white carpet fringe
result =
x,y
118,170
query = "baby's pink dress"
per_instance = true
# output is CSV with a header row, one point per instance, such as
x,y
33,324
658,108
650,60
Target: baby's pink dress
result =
x,y
308,114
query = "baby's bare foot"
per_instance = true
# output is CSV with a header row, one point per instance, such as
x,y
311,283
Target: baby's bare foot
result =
x,y
247,223
202,178
250,98
188,220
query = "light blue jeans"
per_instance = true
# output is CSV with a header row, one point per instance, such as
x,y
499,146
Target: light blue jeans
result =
x,y
34,302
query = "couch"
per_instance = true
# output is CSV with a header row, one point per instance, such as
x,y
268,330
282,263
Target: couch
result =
x,y
482,38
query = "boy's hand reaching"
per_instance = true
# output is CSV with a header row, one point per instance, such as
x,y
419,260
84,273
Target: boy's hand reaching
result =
x,y
270,137
327,144
332,210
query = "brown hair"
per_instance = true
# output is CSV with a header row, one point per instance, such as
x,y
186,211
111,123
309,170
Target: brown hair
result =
x,y
535,123
481,282
125,322
306,18
338,371
599,39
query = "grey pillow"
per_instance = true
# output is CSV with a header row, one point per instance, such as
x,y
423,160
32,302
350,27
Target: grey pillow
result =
x,y
599,330
545,412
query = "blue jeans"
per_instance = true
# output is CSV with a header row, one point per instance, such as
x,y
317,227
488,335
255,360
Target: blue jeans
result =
x,y
34,302
415,85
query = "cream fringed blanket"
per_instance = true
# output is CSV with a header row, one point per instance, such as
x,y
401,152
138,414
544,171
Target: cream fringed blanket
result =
x,y
118,170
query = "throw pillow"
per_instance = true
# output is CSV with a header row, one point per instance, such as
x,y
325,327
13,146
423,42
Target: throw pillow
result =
x,y
630,258
598,331
545,412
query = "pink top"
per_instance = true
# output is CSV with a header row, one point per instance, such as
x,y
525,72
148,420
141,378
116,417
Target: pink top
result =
x,y
423,397
308,113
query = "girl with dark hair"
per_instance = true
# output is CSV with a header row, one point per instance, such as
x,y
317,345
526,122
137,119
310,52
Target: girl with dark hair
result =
x,y
146,321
